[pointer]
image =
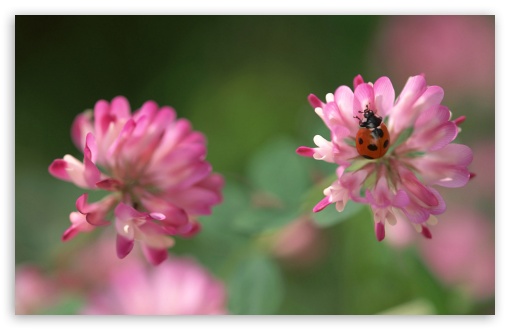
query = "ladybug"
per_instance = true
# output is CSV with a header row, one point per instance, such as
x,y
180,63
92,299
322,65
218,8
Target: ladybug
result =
x,y
373,138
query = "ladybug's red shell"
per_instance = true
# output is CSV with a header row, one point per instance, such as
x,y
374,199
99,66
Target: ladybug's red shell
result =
x,y
372,143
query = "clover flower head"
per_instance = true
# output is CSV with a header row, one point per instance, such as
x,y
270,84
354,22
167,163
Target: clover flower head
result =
x,y
153,166
398,183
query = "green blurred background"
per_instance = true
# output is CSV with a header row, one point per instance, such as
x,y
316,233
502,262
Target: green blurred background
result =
x,y
244,82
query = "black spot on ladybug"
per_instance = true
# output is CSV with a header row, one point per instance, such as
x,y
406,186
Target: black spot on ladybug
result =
x,y
360,141
385,145
372,147
368,157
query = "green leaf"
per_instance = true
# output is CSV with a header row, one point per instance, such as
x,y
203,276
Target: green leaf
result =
x,y
253,221
255,287
278,170
330,216
70,305
236,199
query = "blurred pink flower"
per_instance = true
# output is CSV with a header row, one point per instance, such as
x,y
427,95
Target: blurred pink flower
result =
x,y
398,185
300,244
90,267
177,286
463,252
400,235
33,290
155,170
459,51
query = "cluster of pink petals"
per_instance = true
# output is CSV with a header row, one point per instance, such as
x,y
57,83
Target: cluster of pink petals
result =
x,y
399,185
175,287
154,167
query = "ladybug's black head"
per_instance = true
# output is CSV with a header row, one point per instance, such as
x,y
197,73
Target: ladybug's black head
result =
x,y
371,121
367,113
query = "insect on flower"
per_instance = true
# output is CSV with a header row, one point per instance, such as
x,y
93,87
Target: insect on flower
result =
x,y
394,178
372,139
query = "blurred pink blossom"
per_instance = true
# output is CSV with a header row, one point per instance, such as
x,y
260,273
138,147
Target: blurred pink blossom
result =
x,y
398,185
34,291
463,253
90,267
458,51
154,168
300,244
178,286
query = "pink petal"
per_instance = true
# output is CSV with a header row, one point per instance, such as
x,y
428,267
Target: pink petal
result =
x,y
196,200
172,137
459,120
78,224
380,196
413,89
403,113
446,167
418,190
58,169
426,232
101,117
90,149
124,246
344,98
314,101
173,215
441,205
456,154
379,231
81,204
118,142
384,95
305,151
149,109
91,173
213,182
193,174
352,181
81,126
120,107
95,213
109,184
166,114
322,204
76,171
194,229
363,97
154,256
415,213
125,212
358,80
401,199
432,131
70,233
431,97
